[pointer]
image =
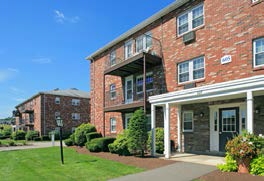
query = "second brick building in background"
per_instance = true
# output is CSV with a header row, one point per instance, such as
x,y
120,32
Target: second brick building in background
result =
x,y
39,112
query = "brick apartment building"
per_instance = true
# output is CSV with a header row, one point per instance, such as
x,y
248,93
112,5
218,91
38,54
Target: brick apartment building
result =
x,y
197,69
40,111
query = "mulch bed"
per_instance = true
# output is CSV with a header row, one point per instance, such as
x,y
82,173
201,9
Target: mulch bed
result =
x,y
149,163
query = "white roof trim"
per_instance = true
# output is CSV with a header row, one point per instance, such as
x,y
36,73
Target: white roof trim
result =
x,y
229,88
138,27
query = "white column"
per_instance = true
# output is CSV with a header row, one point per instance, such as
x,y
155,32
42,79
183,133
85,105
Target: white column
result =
x,y
153,126
179,128
166,110
249,111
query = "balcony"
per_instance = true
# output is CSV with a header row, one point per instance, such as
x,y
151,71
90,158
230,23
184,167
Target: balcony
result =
x,y
124,65
120,102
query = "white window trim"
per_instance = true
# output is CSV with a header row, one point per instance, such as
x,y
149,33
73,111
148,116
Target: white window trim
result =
x,y
76,102
57,100
111,57
187,130
190,71
111,119
111,91
254,52
190,25
125,48
76,116
144,39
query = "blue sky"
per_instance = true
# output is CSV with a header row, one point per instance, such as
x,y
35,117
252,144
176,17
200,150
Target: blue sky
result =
x,y
43,43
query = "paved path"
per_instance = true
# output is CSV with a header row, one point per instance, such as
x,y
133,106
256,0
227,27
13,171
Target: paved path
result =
x,y
179,171
31,145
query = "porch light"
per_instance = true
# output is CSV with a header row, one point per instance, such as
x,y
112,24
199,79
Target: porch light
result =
x,y
201,114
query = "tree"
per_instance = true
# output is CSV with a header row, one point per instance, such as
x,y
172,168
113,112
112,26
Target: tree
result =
x,y
137,132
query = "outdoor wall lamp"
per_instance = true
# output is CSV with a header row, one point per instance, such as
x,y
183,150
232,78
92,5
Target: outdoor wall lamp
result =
x,y
201,114
59,122
257,110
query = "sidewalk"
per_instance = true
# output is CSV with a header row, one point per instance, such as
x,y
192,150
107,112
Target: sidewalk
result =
x,y
31,145
180,171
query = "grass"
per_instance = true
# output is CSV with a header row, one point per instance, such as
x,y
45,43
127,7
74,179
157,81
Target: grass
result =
x,y
45,164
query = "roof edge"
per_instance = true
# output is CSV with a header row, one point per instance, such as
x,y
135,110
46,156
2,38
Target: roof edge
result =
x,y
138,27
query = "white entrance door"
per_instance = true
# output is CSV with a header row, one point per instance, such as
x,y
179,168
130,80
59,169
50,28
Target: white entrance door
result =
x,y
129,89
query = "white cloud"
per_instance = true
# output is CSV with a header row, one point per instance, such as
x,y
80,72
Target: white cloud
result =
x,y
7,74
19,99
42,60
61,18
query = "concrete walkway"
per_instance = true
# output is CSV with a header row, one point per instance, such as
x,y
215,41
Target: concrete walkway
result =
x,y
30,145
187,167
179,171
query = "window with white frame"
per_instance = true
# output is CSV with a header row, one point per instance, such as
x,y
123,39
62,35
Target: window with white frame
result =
x,y
75,102
143,42
254,1
187,117
128,49
76,116
149,82
191,19
258,51
112,91
57,114
113,125
191,70
57,100
112,58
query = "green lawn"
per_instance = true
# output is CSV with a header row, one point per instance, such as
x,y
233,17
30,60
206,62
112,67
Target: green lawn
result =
x,y
45,164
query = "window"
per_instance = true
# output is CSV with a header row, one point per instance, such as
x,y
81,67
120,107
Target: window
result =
x,y
258,51
128,49
113,125
57,114
57,100
190,19
112,91
76,116
143,42
75,102
149,82
191,70
112,58
254,1
188,121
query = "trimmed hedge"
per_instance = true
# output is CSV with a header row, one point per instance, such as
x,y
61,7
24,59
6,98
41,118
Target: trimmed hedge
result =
x,y
92,135
45,138
80,133
69,142
119,146
31,135
159,140
99,144
19,135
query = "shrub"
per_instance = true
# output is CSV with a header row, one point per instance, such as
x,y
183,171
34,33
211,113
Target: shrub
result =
x,y
11,143
30,135
93,135
80,133
229,166
45,138
19,135
120,145
257,166
99,144
159,140
137,132
68,142
5,132
37,138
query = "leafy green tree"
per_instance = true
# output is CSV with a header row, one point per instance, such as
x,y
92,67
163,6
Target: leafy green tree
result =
x,y
137,132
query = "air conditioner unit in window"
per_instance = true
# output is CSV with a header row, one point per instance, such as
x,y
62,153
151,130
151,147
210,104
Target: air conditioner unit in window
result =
x,y
189,37
254,1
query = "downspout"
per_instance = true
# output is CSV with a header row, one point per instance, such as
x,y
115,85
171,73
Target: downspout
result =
x,y
44,121
104,105
144,82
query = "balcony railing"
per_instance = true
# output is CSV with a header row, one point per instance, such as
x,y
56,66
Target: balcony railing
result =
x,y
117,98
132,63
